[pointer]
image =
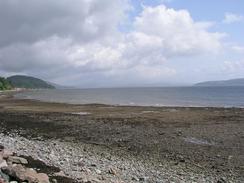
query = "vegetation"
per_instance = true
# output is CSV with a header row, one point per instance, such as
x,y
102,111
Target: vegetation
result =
x,y
28,82
4,84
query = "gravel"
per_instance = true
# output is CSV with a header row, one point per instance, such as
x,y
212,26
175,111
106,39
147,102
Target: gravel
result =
x,y
85,162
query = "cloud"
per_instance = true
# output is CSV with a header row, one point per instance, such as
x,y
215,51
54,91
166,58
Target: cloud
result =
x,y
177,33
239,49
30,21
233,18
233,67
61,40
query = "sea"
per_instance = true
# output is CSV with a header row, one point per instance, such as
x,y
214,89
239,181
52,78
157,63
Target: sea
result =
x,y
151,96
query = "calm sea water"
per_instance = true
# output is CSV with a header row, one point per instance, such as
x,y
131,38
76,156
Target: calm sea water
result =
x,y
165,96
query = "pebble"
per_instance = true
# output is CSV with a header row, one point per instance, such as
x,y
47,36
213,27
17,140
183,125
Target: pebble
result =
x,y
112,171
98,171
68,155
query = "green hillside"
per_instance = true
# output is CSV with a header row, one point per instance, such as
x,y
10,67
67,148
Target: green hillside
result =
x,y
4,84
28,82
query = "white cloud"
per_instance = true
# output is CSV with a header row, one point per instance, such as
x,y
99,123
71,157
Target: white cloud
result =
x,y
233,18
233,67
92,47
239,49
177,32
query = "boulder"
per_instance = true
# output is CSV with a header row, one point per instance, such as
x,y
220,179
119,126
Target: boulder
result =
x,y
3,177
42,178
15,171
25,174
7,154
18,160
3,164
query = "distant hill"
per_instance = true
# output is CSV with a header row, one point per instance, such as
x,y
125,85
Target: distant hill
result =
x,y
231,82
4,84
28,82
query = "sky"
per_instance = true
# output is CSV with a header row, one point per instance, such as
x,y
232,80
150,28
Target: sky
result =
x,y
122,43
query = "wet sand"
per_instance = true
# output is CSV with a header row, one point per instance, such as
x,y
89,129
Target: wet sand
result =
x,y
192,144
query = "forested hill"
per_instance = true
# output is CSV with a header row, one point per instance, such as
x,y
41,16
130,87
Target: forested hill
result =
x,y
4,84
28,82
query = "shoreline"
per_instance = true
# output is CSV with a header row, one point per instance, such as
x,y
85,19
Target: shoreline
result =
x,y
164,144
134,104
125,105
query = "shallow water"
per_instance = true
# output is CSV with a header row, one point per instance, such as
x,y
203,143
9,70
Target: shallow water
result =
x,y
164,96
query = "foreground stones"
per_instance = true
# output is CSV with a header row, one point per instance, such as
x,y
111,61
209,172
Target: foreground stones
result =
x,y
13,170
89,163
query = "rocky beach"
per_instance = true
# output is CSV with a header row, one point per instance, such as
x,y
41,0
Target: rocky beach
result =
x,y
106,143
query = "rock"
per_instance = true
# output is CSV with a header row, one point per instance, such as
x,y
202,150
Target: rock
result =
x,y
95,180
14,171
102,178
135,178
1,153
112,171
18,160
142,179
90,179
3,164
42,178
1,147
222,180
179,133
7,154
93,165
60,174
98,171
25,174
54,181
30,175
182,160
3,177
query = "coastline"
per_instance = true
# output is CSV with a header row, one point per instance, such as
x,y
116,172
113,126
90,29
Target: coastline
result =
x,y
160,97
164,144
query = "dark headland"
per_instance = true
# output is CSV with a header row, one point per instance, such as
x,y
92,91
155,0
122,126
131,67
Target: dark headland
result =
x,y
230,82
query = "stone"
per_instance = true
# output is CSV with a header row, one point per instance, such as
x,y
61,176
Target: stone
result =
x,y
98,171
3,164
135,178
18,160
54,181
142,179
7,154
93,165
42,178
4,177
60,174
1,153
26,174
14,171
1,147
222,180
112,171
